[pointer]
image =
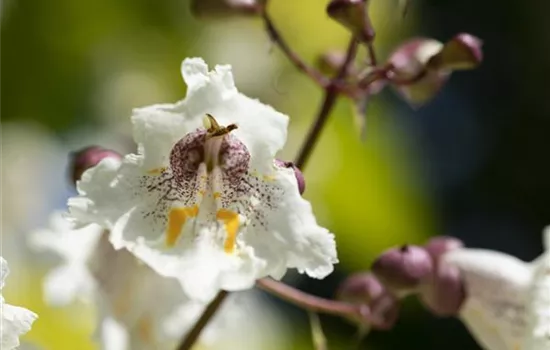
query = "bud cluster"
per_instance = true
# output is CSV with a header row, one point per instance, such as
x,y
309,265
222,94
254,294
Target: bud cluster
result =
x,y
408,270
417,69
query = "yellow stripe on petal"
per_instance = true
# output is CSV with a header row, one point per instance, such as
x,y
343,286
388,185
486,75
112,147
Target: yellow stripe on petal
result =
x,y
156,171
145,330
176,220
231,222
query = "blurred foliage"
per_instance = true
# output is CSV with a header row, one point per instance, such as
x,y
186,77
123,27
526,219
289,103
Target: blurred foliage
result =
x,y
70,65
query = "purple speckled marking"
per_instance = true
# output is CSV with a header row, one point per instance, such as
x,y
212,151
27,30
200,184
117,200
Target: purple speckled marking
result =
x,y
180,182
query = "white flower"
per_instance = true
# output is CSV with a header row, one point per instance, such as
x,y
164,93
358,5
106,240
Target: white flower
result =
x,y
507,304
141,310
71,279
14,321
537,336
136,307
205,203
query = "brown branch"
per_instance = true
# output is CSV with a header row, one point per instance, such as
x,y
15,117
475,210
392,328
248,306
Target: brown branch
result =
x,y
331,94
193,335
277,38
313,303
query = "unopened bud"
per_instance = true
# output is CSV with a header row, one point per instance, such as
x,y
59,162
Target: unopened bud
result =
x,y
86,158
299,176
412,76
460,53
360,288
440,245
444,292
225,8
402,269
421,66
366,289
353,15
384,311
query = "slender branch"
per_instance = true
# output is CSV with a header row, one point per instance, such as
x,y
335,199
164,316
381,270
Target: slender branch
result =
x,y
372,54
313,303
193,335
331,94
277,38
317,334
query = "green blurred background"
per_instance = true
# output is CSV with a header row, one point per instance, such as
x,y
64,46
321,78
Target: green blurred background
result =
x,y
471,164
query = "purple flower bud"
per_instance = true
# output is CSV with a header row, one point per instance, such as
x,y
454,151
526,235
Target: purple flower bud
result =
x,y
353,15
461,52
384,311
402,269
440,245
226,8
412,74
444,292
87,158
360,288
366,289
421,66
299,176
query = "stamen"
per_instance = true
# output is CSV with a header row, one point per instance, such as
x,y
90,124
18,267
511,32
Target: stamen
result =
x,y
213,127
176,220
231,225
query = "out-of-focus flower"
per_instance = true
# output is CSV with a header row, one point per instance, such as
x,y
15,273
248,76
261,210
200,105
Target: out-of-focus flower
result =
x,y
14,321
537,335
137,308
422,66
497,289
204,200
71,279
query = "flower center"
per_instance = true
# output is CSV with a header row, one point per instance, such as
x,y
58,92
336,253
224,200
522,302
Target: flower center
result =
x,y
209,164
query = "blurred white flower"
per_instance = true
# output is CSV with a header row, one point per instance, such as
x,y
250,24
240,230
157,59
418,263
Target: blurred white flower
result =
x,y
137,308
206,203
71,279
538,306
14,321
507,304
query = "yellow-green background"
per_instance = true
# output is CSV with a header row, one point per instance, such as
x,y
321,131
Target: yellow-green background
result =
x,y
70,68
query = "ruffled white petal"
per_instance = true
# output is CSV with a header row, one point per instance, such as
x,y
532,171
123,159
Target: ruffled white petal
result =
x,y
538,307
14,320
497,290
157,128
293,239
71,279
203,269
103,197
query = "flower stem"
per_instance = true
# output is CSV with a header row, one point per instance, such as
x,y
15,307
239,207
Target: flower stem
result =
x,y
331,95
193,335
277,38
313,303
